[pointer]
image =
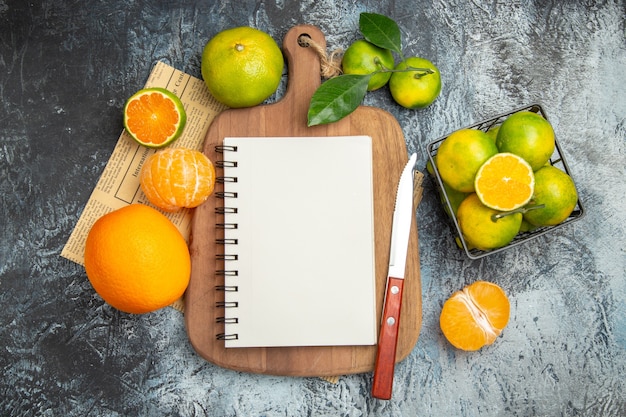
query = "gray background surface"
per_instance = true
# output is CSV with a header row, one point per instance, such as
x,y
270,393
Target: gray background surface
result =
x,y
66,69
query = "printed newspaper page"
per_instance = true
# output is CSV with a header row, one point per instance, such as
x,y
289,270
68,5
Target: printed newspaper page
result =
x,y
119,184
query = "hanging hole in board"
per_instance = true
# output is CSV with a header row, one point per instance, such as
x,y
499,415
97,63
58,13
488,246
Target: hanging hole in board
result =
x,y
303,40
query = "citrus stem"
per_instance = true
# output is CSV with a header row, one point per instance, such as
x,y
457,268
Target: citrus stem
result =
x,y
383,69
496,217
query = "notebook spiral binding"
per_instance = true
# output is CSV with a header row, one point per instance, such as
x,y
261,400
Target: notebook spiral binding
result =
x,y
226,208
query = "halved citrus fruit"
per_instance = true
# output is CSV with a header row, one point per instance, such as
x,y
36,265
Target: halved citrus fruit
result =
x,y
505,182
154,117
475,316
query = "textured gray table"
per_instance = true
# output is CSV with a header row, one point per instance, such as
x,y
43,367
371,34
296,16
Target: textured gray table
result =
x,y
66,69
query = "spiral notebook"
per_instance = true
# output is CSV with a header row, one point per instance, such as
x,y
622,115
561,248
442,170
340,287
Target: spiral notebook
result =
x,y
298,241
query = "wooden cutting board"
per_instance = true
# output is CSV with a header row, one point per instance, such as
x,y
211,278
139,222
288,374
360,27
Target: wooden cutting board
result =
x,y
288,117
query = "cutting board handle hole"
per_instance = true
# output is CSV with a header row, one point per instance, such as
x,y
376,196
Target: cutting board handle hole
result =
x,y
330,65
304,40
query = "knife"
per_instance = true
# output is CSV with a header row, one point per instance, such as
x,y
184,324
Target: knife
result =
x,y
390,323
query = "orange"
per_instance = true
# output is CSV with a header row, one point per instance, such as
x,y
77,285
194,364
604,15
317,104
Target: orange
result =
x,y
505,182
415,89
557,192
136,259
174,178
528,135
154,117
475,316
364,58
460,155
481,229
242,66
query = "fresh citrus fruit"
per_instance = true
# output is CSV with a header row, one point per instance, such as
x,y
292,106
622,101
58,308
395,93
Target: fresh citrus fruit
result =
x,y
455,197
174,178
364,58
136,259
493,132
475,316
460,156
557,192
154,117
242,66
481,229
505,182
528,135
415,89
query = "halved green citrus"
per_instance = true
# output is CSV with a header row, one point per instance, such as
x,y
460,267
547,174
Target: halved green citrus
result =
x,y
505,182
154,117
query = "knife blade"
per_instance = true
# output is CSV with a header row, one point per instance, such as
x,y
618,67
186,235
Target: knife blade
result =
x,y
390,323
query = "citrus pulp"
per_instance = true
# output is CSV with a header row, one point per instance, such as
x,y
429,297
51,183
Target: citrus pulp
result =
x,y
154,117
505,182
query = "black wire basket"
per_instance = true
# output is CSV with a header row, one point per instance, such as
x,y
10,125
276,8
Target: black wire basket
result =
x,y
557,160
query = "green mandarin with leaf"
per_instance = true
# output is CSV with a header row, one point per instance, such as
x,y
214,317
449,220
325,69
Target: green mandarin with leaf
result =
x,y
339,96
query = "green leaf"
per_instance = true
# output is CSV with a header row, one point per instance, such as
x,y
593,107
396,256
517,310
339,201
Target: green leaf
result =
x,y
336,98
381,31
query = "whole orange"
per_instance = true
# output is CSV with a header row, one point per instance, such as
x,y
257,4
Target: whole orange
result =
x,y
136,259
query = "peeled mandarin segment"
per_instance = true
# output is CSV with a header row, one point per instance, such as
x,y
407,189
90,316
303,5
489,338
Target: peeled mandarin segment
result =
x,y
458,325
492,302
475,317
505,182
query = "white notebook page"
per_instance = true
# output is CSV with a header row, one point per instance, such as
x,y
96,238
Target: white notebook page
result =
x,y
305,242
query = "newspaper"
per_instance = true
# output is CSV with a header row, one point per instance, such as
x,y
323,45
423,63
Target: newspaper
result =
x,y
118,185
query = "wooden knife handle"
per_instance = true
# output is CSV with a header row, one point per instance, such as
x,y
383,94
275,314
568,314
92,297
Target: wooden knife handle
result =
x,y
388,340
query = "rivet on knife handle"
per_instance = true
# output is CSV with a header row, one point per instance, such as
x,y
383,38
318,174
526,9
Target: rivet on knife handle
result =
x,y
387,340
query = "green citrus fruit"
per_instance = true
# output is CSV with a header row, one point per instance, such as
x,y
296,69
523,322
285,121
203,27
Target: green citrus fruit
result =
x,y
493,133
479,228
460,156
557,192
528,135
242,66
154,117
455,197
364,58
415,89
